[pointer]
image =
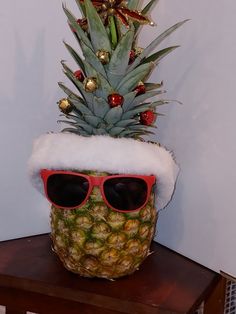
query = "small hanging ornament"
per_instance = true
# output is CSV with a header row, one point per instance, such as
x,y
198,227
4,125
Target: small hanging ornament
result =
x,y
90,84
65,106
140,89
82,23
147,117
115,100
132,56
79,75
103,56
138,51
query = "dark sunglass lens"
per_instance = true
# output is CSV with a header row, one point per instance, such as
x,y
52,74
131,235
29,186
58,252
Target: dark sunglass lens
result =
x,y
67,190
126,193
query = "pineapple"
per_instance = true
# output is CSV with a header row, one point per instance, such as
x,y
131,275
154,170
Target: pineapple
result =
x,y
112,99
95,241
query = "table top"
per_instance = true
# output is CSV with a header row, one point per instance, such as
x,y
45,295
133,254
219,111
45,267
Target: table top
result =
x,y
166,280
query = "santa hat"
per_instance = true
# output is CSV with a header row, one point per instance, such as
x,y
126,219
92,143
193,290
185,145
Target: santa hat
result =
x,y
68,151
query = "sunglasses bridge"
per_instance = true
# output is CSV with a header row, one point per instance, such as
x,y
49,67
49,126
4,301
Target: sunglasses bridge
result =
x,y
96,180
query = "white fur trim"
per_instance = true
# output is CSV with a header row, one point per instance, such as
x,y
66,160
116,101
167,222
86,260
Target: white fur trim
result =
x,y
66,151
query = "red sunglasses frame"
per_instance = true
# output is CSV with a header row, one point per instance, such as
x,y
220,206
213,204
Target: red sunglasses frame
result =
x,y
97,181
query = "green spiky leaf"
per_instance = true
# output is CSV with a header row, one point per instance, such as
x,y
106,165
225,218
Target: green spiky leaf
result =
x,y
127,133
160,103
77,125
93,120
66,68
121,53
71,123
89,70
141,98
113,30
126,123
80,33
77,131
98,33
152,86
77,118
115,131
104,88
87,129
140,127
117,69
81,107
91,58
134,134
150,5
156,57
100,107
113,115
131,80
154,44
128,99
69,92
99,131
88,97
131,113
75,56
81,7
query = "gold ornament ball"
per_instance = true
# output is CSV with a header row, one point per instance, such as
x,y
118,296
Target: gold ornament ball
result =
x,y
90,84
103,56
65,106
138,51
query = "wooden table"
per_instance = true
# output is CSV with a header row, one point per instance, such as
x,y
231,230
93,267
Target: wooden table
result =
x,y
32,278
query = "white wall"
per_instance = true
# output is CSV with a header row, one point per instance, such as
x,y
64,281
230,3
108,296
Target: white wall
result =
x,y
199,222
31,33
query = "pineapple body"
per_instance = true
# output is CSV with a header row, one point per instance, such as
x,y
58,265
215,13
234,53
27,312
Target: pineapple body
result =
x,y
96,241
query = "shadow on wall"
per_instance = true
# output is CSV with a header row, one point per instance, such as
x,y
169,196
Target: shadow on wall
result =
x,y
189,131
171,229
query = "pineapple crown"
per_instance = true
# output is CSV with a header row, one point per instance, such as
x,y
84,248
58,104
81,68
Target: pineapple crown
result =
x,y
112,96
111,107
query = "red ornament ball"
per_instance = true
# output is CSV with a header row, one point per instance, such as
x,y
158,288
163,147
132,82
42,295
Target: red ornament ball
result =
x,y
79,75
115,100
140,89
131,56
147,117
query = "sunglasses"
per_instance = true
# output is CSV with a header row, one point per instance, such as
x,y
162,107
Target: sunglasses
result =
x,y
122,193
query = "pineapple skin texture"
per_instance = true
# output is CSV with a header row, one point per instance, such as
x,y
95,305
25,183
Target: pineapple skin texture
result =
x,y
96,241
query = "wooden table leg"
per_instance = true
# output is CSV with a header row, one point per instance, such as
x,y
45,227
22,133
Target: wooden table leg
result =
x,y
216,301
11,310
